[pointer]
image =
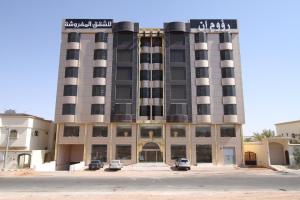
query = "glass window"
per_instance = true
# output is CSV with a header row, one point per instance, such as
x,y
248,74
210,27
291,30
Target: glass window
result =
x,y
225,37
71,131
178,92
123,152
203,90
145,93
68,109
178,151
157,93
97,109
124,131
125,38
230,109
178,73
177,56
72,54
100,131
122,109
203,153
156,41
203,109
98,90
145,75
157,110
123,92
71,72
99,152
124,56
101,37
227,72
177,132
150,132
145,58
99,72
201,55
178,109
202,72
226,55
228,90
203,131
177,38
227,131
157,58
124,73
73,37
144,110
157,75
70,90
200,37
145,41
100,54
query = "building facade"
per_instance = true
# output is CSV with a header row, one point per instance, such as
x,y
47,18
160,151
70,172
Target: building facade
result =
x,y
149,94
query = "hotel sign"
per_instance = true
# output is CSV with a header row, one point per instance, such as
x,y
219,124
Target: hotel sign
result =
x,y
214,25
87,23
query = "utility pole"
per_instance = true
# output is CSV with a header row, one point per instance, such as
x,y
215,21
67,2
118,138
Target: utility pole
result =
x,y
6,150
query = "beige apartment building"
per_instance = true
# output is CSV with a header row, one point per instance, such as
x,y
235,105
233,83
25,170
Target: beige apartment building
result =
x,y
149,94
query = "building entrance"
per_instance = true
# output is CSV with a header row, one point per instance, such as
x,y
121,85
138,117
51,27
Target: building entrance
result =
x,y
151,153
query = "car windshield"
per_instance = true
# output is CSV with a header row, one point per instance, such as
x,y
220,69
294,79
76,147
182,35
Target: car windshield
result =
x,y
183,160
115,161
95,161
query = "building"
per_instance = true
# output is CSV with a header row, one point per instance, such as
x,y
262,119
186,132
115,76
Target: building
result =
x,y
30,141
289,129
149,94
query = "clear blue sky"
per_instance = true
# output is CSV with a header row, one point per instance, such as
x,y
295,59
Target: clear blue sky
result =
x,y
269,38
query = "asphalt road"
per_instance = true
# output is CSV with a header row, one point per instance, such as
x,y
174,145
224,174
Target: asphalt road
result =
x,y
233,182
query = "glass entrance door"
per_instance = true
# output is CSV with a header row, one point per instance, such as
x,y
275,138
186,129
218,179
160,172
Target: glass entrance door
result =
x,y
151,153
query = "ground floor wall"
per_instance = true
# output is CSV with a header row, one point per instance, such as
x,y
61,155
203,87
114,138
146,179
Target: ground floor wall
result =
x,y
217,144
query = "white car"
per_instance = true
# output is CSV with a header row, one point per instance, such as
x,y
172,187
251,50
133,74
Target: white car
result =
x,y
183,163
115,165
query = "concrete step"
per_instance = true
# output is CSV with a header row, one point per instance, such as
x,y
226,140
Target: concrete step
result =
x,y
148,167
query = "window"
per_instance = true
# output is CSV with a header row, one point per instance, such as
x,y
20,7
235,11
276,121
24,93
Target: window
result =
x,y
145,41
203,131
226,55
68,109
203,109
178,92
71,131
178,109
70,90
99,131
13,134
73,37
228,90
178,151
145,93
157,75
144,110
98,90
157,110
100,54
157,93
124,56
97,109
99,152
71,72
203,90
123,152
227,132
227,72
156,41
99,72
125,38
177,56
177,38
122,109
150,132
225,37
145,75
123,92
201,55
202,72
203,153
178,73
145,58
123,131
230,109
124,73
101,37
72,54
157,58
177,132
200,37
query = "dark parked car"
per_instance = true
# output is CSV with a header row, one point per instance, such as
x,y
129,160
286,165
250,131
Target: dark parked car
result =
x,y
95,164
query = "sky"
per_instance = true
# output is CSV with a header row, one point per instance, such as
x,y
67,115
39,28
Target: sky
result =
x,y
269,42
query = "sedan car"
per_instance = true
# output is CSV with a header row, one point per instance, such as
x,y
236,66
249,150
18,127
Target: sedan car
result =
x,y
95,165
183,163
115,165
